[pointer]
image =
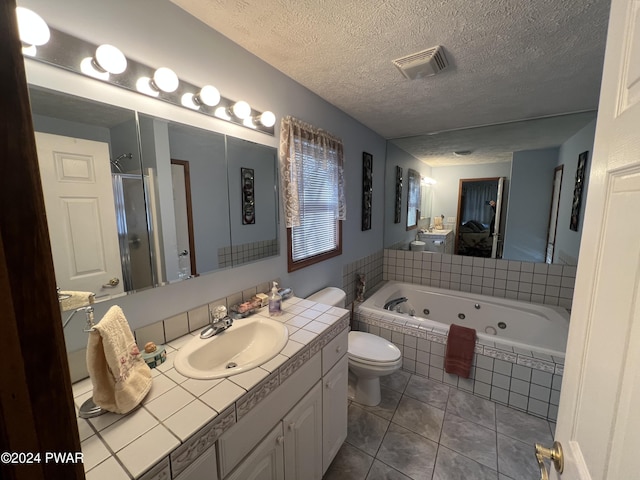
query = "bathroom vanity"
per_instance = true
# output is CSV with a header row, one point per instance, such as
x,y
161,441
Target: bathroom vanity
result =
x,y
284,420
438,241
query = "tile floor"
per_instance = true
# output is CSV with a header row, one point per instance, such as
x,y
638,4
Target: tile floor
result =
x,y
427,430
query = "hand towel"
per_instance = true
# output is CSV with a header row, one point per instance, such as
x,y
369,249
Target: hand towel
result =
x,y
120,376
75,299
461,343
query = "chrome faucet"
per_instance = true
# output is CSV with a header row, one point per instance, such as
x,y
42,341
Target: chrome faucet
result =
x,y
392,304
219,322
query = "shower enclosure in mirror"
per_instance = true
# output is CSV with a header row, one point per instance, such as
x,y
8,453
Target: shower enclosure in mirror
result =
x,y
135,202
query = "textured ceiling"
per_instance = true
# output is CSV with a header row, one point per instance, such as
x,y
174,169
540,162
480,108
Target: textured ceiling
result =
x,y
494,143
509,60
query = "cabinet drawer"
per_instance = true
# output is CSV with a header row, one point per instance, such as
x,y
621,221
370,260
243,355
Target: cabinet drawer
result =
x,y
334,350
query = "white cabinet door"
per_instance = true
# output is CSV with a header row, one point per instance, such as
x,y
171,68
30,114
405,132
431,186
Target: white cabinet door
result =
x,y
334,411
303,438
266,462
203,468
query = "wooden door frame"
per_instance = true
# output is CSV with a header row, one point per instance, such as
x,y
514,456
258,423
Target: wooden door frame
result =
x,y
187,188
37,414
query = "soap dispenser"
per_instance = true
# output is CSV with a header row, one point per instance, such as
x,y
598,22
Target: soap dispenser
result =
x,y
275,302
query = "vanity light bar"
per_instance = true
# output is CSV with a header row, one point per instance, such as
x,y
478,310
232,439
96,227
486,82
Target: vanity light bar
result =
x,y
73,54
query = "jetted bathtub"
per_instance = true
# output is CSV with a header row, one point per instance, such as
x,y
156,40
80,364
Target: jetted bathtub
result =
x,y
504,323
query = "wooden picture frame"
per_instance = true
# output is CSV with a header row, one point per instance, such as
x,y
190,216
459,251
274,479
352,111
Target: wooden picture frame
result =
x,y
367,189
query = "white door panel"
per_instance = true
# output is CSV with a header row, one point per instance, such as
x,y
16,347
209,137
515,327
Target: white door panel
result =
x,y
76,181
598,419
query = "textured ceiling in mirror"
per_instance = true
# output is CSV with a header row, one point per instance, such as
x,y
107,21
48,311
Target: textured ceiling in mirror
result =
x,y
75,109
495,143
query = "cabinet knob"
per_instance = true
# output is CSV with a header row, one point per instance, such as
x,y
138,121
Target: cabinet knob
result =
x,y
338,348
292,425
279,440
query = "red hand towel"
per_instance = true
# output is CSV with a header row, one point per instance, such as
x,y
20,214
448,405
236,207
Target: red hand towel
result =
x,y
461,343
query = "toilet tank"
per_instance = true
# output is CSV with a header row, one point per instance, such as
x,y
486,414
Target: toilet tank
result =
x,y
330,296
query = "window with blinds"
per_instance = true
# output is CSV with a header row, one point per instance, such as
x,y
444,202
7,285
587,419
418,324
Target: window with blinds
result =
x,y
319,235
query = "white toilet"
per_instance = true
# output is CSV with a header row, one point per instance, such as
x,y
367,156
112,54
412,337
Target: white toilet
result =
x,y
370,356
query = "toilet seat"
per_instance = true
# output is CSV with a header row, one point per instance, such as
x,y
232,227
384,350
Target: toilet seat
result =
x,y
369,349
373,364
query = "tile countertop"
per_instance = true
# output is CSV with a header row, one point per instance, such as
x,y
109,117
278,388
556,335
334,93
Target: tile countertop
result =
x,y
124,447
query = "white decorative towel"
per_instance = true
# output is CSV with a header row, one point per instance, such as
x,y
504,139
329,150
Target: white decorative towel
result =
x,y
120,376
75,299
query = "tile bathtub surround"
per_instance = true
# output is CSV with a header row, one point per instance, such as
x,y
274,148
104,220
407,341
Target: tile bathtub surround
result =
x,y
525,281
522,379
181,417
424,429
371,266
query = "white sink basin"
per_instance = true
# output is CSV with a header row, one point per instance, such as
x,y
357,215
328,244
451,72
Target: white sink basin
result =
x,y
247,344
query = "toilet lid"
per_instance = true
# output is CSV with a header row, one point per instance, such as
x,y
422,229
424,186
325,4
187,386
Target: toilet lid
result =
x,y
372,348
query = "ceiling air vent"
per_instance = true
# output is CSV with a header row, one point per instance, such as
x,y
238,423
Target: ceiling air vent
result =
x,y
422,64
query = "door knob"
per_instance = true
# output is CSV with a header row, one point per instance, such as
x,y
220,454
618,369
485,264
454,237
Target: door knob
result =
x,y
554,453
113,283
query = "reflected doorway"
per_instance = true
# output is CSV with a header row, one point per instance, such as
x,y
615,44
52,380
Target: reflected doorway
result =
x,y
181,181
478,221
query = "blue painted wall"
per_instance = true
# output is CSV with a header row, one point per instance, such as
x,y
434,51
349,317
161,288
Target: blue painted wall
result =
x,y
529,204
568,241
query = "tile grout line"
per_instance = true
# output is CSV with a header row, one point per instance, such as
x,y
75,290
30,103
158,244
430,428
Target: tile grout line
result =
x,y
393,413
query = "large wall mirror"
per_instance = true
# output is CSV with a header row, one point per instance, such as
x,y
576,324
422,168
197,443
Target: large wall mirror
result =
x,y
526,168
136,202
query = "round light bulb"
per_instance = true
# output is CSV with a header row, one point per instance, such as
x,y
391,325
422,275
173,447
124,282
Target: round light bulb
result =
x,y
248,122
33,29
268,119
87,67
188,101
143,85
241,109
166,79
111,59
221,112
30,51
209,95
